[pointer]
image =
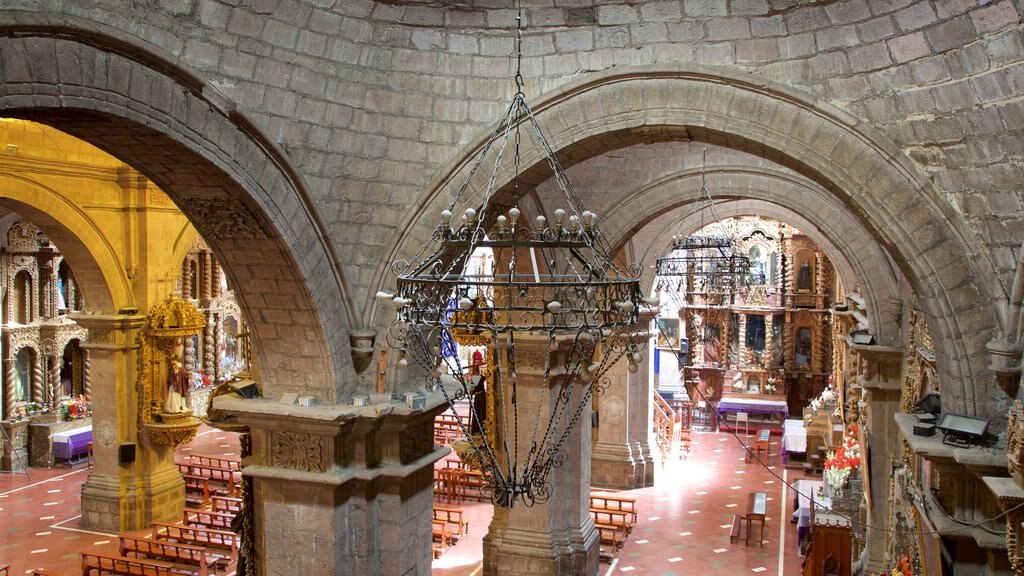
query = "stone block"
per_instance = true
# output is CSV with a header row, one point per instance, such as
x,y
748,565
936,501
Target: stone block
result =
x,y
916,16
929,70
705,8
848,12
836,37
950,34
993,17
574,41
761,50
770,26
871,57
279,33
908,47
797,45
649,33
660,11
616,14
728,29
806,19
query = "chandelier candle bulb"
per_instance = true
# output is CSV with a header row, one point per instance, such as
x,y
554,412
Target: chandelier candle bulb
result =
x,y
559,217
465,303
542,222
554,306
383,296
502,223
513,215
446,217
470,215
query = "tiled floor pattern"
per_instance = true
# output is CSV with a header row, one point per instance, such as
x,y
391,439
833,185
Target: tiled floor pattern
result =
x,y
40,512
683,528
685,518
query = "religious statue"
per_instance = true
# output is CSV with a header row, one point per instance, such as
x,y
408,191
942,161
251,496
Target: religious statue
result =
x,y
479,396
177,389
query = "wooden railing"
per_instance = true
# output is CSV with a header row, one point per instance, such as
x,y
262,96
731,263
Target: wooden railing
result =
x,y
665,421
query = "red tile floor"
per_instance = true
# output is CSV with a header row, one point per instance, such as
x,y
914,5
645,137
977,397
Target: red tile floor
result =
x,y
683,526
685,518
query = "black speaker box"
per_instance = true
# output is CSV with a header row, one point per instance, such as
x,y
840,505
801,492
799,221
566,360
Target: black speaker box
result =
x,y
126,453
924,429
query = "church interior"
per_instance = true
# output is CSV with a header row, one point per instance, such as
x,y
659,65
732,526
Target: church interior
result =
x,y
502,287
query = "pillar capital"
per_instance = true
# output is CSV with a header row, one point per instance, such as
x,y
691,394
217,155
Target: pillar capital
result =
x,y
112,332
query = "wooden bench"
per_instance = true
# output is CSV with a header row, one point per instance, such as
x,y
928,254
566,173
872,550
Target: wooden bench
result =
x,y
762,444
215,461
447,429
4,569
226,504
38,573
225,480
442,537
197,559
620,518
602,501
611,535
222,542
197,489
100,564
737,528
757,509
206,518
453,517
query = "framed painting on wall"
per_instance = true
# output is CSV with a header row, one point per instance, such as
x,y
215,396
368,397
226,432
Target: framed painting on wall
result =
x,y
668,333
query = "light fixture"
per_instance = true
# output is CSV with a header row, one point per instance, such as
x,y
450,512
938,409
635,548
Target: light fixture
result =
x,y
551,275
713,262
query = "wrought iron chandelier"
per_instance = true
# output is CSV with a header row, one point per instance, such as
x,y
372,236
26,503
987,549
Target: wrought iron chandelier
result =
x,y
550,276
714,262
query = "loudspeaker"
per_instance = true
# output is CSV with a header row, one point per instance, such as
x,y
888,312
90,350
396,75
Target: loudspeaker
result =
x,y
932,404
126,453
245,388
863,338
924,429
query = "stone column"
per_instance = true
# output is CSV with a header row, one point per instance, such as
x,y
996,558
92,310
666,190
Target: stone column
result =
x,y
556,537
640,418
340,489
769,341
613,464
882,381
123,495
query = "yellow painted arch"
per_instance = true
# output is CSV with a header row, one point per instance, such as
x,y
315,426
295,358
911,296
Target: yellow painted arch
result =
x,y
98,268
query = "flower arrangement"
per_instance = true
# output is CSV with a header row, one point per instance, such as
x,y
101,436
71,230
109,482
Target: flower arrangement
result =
x,y
902,567
769,387
75,408
840,463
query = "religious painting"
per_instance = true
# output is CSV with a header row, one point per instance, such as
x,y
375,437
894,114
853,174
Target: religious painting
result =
x,y
668,333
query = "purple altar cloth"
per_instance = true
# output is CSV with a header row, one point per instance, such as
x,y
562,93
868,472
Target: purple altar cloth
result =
x,y
753,406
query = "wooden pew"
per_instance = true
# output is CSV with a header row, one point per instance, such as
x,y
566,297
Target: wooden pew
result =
x,y
602,501
197,489
612,536
620,518
200,560
215,461
221,541
453,517
226,504
737,528
224,479
101,564
442,537
206,518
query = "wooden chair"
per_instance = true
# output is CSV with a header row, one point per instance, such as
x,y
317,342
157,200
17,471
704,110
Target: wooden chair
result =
x,y
763,444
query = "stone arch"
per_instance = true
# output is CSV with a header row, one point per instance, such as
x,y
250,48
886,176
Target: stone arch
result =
x,y
237,188
868,174
96,265
744,191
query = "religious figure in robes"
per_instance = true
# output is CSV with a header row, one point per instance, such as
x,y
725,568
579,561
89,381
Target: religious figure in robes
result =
x,y
478,392
177,389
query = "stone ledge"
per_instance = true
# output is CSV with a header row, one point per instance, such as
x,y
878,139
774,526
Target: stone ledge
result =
x,y
321,412
947,527
345,475
932,448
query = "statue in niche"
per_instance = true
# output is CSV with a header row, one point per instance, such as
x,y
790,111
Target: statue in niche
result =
x,y
177,389
803,277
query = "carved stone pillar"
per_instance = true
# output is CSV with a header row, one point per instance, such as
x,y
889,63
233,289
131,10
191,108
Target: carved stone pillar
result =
x,y
354,485
122,495
769,342
556,537
640,418
621,447
882,381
